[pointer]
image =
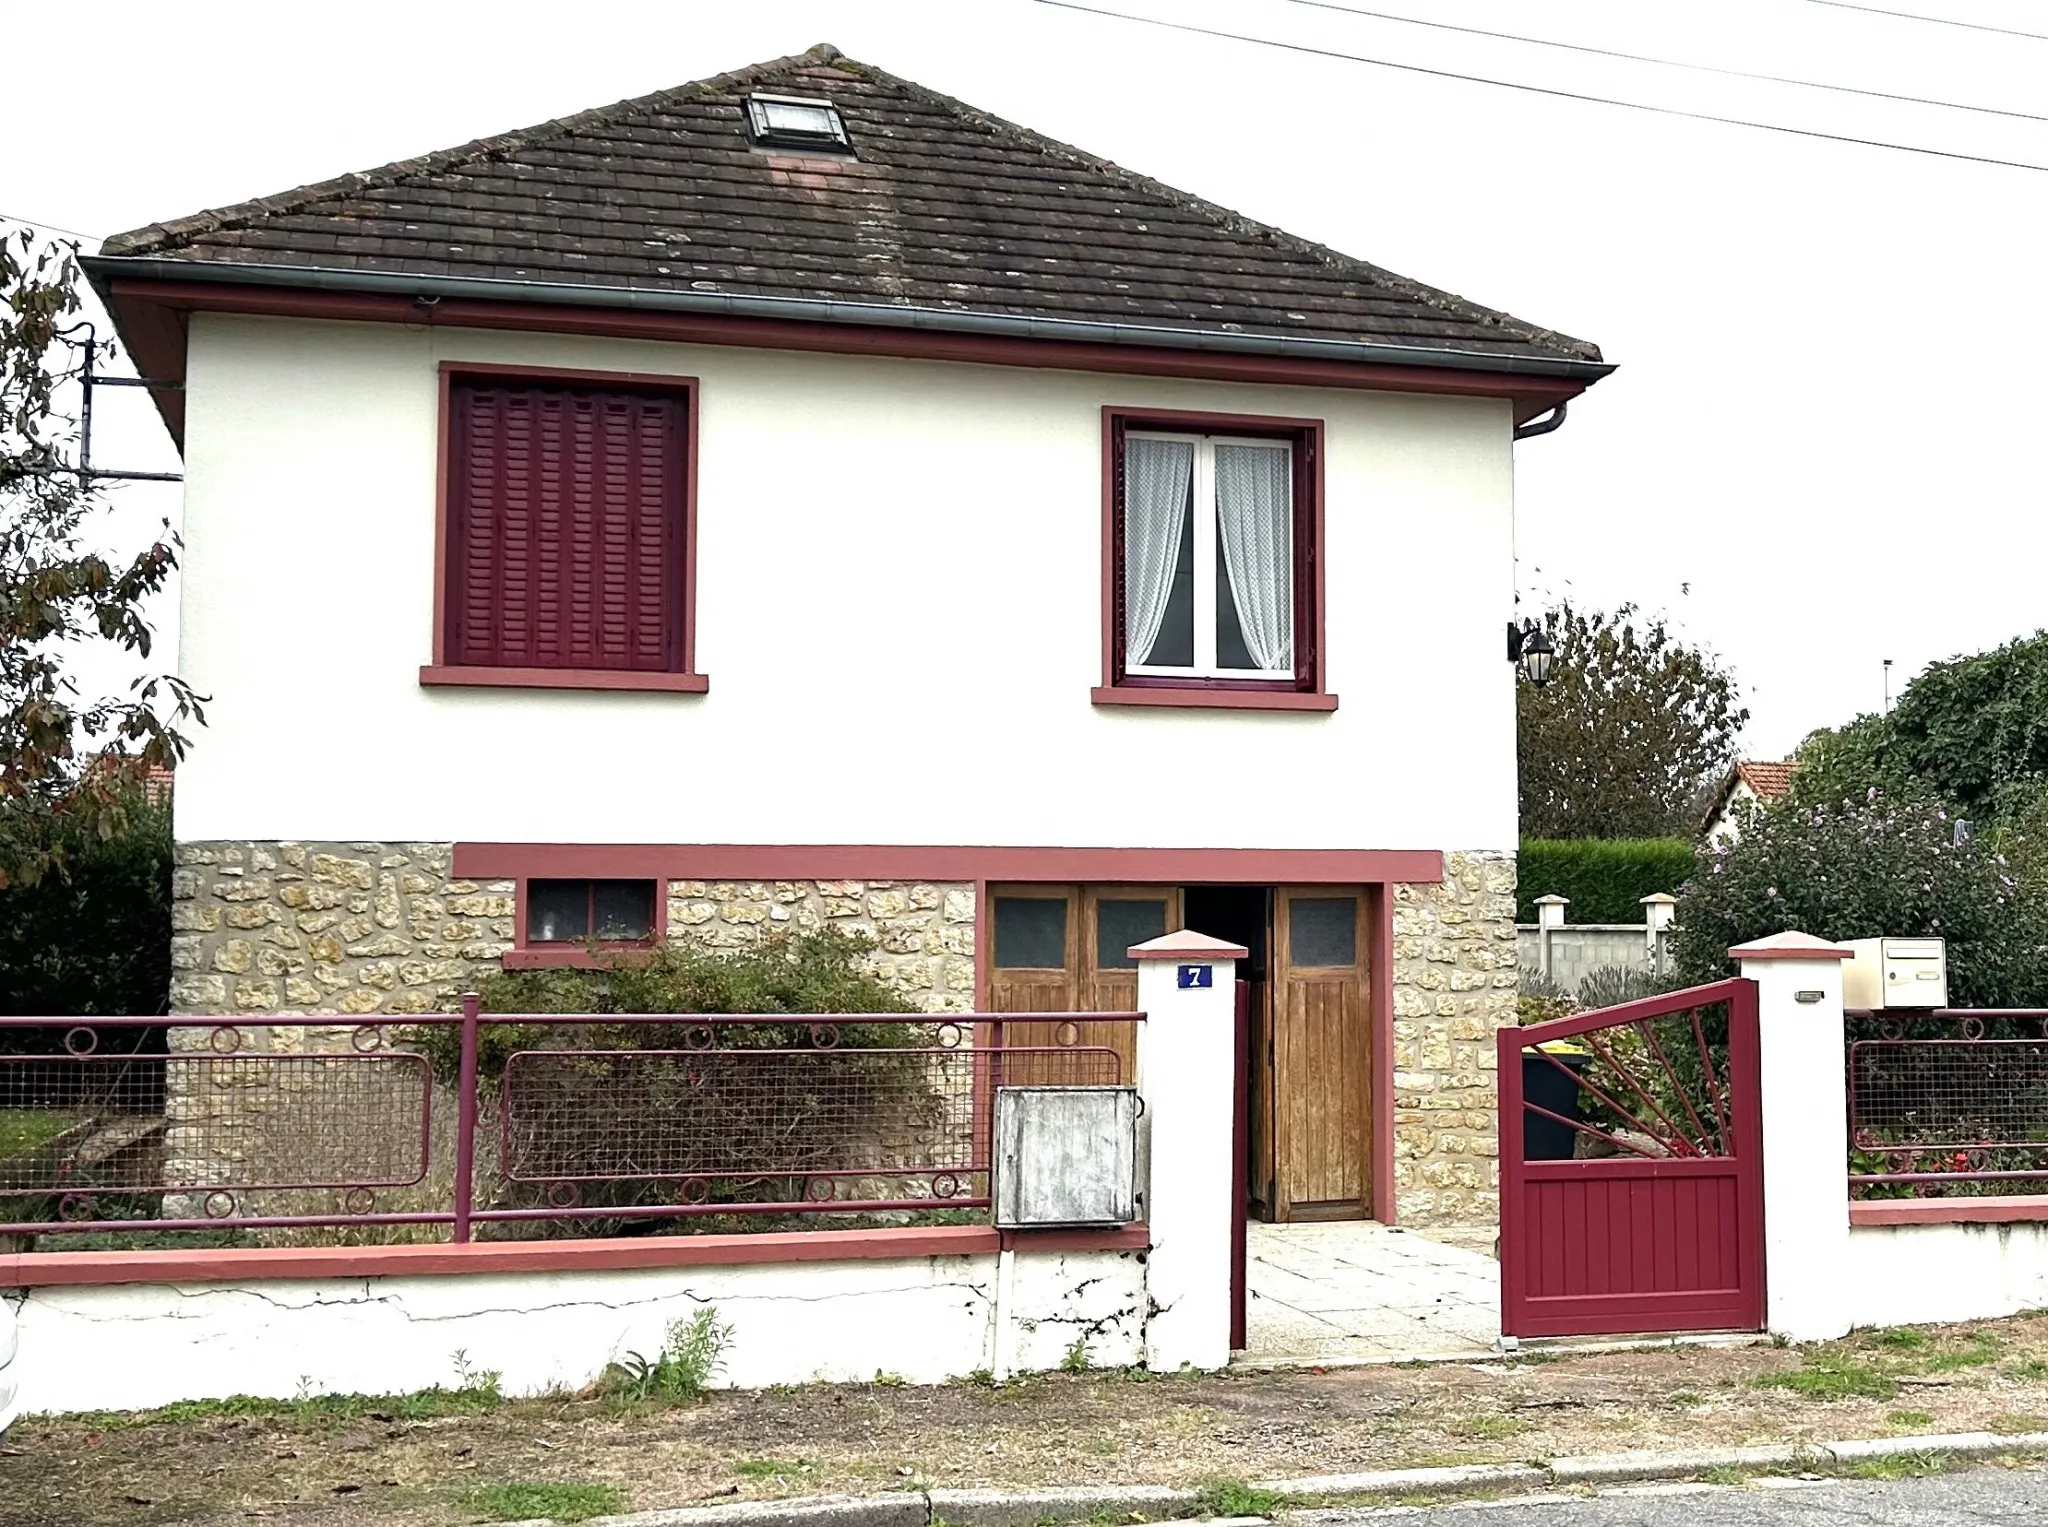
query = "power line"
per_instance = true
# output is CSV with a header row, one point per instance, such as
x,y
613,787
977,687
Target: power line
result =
x,y
1940,21
1669,63
9,217
1563,95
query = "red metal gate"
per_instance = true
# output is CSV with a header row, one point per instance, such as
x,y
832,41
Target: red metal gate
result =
x,y
1663,1232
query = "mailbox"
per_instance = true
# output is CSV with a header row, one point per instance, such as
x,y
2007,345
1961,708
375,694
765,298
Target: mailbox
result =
x,y
1896,972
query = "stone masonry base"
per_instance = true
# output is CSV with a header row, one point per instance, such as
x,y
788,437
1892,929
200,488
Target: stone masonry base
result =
x,y
362,928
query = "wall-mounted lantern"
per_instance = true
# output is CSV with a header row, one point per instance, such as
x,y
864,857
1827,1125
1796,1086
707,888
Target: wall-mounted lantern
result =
x,y
1529,645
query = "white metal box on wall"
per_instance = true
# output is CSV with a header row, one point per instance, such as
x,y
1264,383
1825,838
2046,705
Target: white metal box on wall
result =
x,y
1896,972
1066,1156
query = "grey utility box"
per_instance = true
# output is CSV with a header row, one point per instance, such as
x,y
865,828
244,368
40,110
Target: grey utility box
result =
x,y
1896,972
1066,1156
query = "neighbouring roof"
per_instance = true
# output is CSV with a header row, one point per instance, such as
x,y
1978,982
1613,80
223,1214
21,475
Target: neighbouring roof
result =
x,y
1768,779
941,207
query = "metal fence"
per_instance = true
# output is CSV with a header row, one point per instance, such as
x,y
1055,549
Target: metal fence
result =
x,y
1952,1103
509,1124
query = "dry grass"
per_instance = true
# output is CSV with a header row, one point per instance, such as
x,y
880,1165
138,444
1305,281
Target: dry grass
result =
x,y
402,1463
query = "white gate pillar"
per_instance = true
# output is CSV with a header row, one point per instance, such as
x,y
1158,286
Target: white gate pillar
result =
x,y
1187,989
1805,1111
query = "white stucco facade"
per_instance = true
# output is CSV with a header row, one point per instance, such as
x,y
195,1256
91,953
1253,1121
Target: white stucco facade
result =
x,y
925,1320
898,608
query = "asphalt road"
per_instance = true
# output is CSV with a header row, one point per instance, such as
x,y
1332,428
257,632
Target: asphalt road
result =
x,y
1951,1500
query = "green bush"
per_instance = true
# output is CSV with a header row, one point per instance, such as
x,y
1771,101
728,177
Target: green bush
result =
x,y
1605,878
93,934
1868,866
760,1129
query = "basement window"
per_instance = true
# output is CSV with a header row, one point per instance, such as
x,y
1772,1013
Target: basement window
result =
x,y
789,121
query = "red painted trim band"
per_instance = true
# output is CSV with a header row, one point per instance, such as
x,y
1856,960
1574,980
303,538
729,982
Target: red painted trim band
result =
x,y
1950,1211
1532,395
1787,952
55,1269
845,861
442,675
1213,699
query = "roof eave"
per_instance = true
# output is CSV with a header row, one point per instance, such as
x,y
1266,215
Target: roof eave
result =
x,y
103,270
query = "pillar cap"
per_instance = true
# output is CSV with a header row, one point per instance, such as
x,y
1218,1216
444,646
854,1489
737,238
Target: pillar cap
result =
x,y
1791,945
1552,901
1188,945
1659,899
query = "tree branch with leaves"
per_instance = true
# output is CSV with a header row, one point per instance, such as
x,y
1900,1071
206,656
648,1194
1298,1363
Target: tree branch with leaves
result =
x,y
1630,733
60,749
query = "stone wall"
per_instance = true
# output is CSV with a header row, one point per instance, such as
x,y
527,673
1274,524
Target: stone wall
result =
x,y
1453,985
330,928
360,928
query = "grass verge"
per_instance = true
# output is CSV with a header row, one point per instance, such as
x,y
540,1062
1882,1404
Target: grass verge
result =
x,y
553,1501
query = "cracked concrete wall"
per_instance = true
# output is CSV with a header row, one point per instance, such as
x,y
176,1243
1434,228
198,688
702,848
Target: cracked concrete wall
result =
x,y
928,1319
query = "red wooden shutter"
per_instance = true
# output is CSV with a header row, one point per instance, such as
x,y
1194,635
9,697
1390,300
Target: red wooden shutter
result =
x,y
565,528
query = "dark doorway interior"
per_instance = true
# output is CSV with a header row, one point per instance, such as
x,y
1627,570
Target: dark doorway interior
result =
x,y
1244,915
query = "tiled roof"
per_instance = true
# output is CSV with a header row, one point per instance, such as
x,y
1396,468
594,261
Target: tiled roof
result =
x,y
1769,780
942,207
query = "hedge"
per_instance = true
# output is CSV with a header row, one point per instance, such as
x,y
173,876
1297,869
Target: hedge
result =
x,y
94,934
1605,878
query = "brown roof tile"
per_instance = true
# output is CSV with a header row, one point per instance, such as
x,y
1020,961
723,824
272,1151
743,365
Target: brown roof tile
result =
x,y
1770,780
943,207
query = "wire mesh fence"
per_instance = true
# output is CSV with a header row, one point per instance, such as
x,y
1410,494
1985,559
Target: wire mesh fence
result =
x,y
522,1125
1958,1116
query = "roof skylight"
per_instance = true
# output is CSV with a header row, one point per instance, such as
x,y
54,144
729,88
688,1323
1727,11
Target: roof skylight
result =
x,y
789,121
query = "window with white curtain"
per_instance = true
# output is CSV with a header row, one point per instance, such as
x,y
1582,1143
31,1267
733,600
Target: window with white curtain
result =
x,y
1208,556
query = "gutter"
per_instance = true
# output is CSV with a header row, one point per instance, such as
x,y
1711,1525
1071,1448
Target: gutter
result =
x,y
105,269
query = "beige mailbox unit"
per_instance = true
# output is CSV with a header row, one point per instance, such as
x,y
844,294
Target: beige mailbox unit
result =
x,y
1896,972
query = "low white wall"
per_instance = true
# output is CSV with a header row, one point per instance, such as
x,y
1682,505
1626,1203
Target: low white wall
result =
x,y
928,1319
1924,1274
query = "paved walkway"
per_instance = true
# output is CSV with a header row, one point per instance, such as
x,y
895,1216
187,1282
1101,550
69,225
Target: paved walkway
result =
x,y
1355,1291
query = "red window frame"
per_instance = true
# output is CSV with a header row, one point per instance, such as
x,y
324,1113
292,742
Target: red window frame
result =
x,y
682,676
1305,691
532,954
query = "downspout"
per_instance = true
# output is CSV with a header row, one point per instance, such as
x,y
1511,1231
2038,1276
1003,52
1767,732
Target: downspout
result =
x,y
1543,426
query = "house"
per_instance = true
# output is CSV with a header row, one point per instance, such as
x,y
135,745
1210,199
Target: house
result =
x,y
1751,782
800,499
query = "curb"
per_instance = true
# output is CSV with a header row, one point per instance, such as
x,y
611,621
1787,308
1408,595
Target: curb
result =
x,y
1073,1503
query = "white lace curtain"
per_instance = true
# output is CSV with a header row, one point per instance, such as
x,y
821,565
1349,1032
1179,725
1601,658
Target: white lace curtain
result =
x,y
1157,474
1255,515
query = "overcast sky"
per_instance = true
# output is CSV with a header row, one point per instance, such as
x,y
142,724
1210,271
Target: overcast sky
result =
x,y
1824,444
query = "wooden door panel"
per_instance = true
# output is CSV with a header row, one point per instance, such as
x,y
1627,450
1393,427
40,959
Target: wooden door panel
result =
x,y
1323,1120
1107,984
1033,988
1322,1055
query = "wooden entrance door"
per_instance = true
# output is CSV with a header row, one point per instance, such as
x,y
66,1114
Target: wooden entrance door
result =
x,y
1322,1055
1062,949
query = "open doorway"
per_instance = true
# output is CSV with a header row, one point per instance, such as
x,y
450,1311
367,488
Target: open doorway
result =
x,y
1065,948
1243,914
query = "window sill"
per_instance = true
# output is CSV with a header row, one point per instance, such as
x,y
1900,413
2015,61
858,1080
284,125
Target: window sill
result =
x,y
1215,699
434,675
570,956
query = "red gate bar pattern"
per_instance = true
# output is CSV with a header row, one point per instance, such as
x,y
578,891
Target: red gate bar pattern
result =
x,y
1631,1168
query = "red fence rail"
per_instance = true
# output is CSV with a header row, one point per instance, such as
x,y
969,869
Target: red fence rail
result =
x,y
1949,1103
294,1121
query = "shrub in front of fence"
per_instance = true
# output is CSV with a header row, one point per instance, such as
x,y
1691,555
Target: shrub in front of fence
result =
x,y
629,1116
